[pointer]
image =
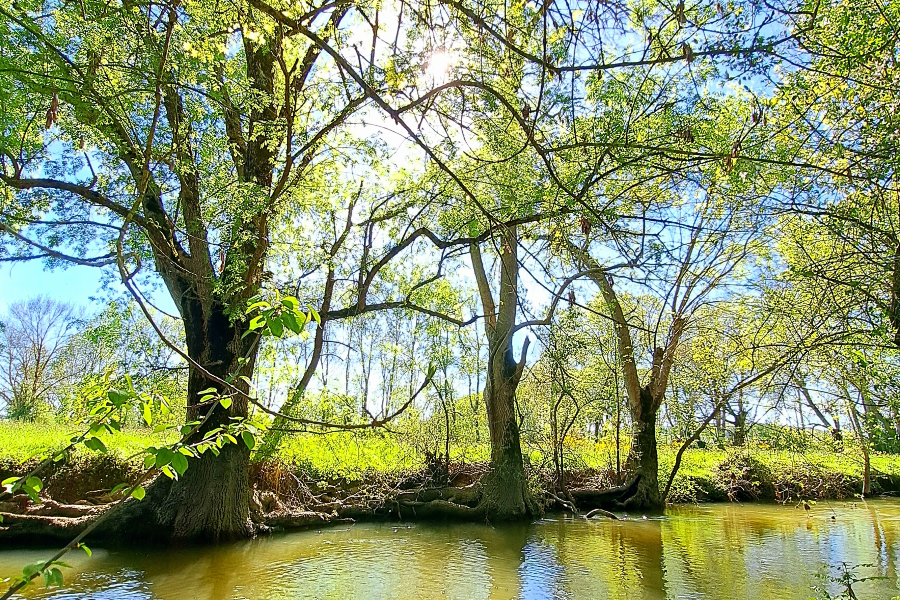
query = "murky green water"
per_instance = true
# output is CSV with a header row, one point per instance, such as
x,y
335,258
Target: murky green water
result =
x,y
722,552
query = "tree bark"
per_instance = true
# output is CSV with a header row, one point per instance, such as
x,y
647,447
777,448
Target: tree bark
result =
x,y
504,490
211,500
643,460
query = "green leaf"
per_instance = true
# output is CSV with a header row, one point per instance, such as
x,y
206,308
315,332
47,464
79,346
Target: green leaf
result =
x,y
33,569
138,493
95,444
180,463
256,322
34,483
86,549
276,326
226,403
262,305
118,398
290,321
145,413
118,489
163,457
248,438
315,315
32,493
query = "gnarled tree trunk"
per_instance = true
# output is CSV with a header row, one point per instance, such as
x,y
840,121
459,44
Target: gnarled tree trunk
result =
x,y
504,489
643,460
211,500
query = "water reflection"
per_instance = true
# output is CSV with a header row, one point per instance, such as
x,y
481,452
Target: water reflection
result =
x,y
714,552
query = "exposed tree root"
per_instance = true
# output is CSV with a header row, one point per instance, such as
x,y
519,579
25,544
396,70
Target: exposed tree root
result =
x,y
600,511
37,529
468,496
49,508
444,509
283,500
564,504
44,522
304,519
611,498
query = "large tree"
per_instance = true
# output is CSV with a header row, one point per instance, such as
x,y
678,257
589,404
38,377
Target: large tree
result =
x,y
176,136
180,138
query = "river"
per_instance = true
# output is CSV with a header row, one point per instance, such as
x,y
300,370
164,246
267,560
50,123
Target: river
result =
x,y
714,552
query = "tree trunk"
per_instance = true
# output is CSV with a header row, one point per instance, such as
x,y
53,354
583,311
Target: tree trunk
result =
x,y
863,444
643,460
740,427
211,500
504,490
836,433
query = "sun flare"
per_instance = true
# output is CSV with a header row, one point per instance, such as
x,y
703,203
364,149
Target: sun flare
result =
x,y
439,63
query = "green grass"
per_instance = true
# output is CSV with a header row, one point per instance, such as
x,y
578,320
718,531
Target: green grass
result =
x,y
704,474
343,454
20,442
779,473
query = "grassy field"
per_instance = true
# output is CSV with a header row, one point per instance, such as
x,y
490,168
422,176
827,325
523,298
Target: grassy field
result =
x,y
707,474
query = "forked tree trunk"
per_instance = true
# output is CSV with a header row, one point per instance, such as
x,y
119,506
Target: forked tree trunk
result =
x,y
644,401
211,500
504,489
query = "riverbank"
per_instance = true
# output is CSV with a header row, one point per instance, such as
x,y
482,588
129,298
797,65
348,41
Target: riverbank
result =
x,y
370,470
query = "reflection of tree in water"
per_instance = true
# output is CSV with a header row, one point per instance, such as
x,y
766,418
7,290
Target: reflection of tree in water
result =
x,y
504,546
541,574
597,559
719,552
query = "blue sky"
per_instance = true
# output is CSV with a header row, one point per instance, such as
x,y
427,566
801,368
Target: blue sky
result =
x,y
21,280
75,284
